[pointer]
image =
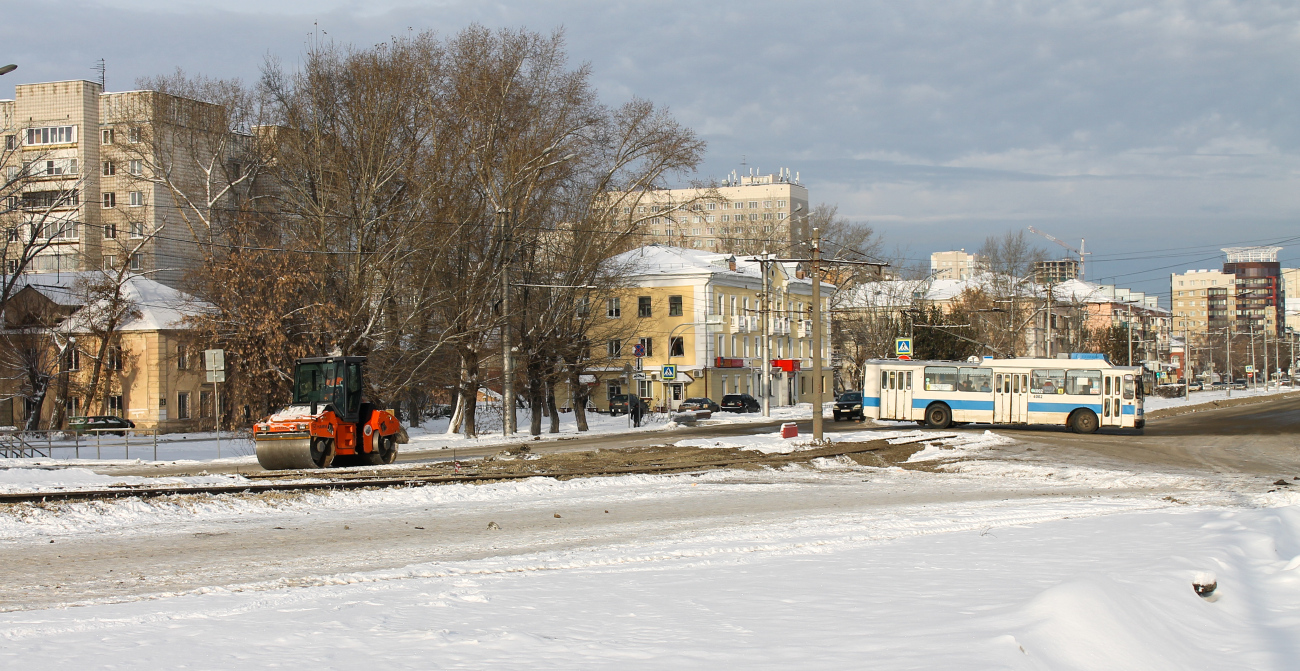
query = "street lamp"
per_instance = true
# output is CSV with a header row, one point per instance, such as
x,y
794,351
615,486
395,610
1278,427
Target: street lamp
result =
x,y
6,69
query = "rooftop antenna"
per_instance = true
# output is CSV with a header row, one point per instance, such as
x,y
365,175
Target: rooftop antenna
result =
x,y
99,67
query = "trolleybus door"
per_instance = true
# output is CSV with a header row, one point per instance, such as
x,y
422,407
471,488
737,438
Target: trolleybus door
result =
x,y
1111,389
1011,398
895,394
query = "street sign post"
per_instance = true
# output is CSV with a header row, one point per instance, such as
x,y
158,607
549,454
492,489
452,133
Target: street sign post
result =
x,y
214,360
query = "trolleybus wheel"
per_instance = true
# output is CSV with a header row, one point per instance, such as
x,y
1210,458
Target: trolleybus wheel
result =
x,y
1084,421
938,416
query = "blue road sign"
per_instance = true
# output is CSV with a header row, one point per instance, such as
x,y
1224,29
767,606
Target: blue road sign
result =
x,y
902,346
669,372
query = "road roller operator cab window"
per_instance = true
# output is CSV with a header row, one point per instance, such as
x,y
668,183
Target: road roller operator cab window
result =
x,y
336,383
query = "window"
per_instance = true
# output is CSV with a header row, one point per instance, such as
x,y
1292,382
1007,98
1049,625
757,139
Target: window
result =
x,y
780,203
182,358
110,231
975,379
137,229
109,169
1128,387
614,348
643,308
712,206
115,405
183,405
753,217
940,378
726,218
110,200
674,306
205,404
1047,381
135,166
780,215
137,198
137,262
647,346
52,135
11,142
583,307
133,134
753,204
644,389
50,199
114,358
110,262
12,234
74,358
612,309
613,389
677,346
1083,382
767,203
106,136
74,407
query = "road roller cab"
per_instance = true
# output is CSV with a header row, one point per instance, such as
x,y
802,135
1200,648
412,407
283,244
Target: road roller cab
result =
x,y
328,422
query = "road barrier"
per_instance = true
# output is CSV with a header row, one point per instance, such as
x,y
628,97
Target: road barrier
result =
x,y
57,444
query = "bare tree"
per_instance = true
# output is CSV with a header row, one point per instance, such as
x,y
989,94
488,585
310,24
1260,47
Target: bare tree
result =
x,y
1006,267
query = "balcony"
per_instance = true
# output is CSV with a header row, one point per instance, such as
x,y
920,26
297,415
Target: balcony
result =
x,y
739,324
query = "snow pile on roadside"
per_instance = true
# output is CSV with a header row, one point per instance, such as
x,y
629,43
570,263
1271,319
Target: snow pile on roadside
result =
x,y
959,446
59,478
773,443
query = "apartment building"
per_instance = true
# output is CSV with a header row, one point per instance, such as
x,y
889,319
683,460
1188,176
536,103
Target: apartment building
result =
x,y
703,313
1291,293
954,265
98,170
1056,271
745,214
1259,299
1202,300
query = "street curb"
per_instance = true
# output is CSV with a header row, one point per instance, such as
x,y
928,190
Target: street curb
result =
x,y
1218,405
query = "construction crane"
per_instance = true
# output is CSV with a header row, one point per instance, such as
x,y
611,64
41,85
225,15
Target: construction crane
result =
x,y
1080,251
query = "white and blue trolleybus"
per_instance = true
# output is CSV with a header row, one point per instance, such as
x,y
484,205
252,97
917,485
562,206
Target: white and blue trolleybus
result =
x,y
1084,392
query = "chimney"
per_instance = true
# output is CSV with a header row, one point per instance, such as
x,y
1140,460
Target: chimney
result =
x,y
800,274
731,263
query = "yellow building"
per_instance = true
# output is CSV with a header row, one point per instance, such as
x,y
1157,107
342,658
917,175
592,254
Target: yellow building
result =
x,y
151,375
700,315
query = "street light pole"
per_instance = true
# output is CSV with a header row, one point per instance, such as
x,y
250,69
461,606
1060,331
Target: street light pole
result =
x,y
817,335
765,384
507,355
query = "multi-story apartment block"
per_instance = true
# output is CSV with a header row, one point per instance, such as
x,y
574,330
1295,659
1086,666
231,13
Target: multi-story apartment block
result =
x,y
1259,297
703,313
955,265
1291,293
1202,300
108,167
746,214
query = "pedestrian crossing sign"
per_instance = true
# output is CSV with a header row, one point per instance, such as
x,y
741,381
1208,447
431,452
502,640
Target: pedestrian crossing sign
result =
x,y
669,372
902,346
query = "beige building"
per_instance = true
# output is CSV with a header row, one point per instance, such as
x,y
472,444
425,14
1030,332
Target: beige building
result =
x,y
1291,295
1056,271
98,171
746,213
703,314
954,265
1202,300
151,374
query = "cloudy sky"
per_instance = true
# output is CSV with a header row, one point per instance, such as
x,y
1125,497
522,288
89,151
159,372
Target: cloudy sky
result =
x,y
1158,131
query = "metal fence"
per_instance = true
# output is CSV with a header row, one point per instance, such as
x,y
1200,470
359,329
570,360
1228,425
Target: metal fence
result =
x,y
104,443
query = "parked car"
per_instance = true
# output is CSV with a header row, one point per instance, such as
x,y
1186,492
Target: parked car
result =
x,y
618,404
1239,383
1218,386
848,406
1195,385
699,403
97,424
740,403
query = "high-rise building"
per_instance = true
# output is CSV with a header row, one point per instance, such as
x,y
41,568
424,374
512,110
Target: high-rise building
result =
x,y
1056,271
954,265
1291,294
101,173
1202,300
1258,288
745,214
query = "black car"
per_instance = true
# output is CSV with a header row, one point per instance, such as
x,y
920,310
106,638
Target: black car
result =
x,y
99,424
740,403
849,406
699,403
618,404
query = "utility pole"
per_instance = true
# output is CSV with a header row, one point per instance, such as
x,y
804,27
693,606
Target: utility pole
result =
x,y
1129,324
817,335
1047,344
507,355
1227,338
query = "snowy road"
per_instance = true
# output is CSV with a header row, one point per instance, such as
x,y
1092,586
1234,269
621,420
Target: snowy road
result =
x,y
1051,551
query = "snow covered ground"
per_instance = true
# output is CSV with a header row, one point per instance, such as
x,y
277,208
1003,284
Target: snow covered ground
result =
x,y
982,564
1199,397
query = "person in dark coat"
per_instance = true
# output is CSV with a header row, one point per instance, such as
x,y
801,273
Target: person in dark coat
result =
x,y
637,408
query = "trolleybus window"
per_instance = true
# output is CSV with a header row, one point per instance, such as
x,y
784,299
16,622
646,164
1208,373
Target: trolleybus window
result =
x,y
940,378
975,379
1047,381
1128,387
909,379
1084,382
884,380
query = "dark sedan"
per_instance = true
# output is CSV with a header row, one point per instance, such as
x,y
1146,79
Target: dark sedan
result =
x,y
99,424
740,403
699,403
848,406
